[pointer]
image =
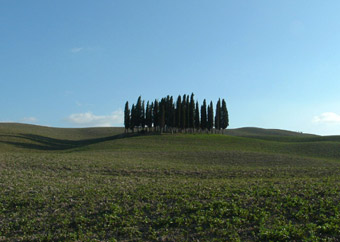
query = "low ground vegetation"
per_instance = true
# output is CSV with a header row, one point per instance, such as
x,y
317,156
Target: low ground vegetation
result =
x,y
183,187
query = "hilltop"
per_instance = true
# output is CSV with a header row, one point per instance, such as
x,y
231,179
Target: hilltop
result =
x,y
100,132
253,131
30,138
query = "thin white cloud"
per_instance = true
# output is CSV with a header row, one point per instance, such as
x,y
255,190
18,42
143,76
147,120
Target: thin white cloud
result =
x,y
29,120
327,118
89,119
76,49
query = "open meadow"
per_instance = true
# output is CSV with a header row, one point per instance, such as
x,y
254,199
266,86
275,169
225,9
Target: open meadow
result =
x,y
98,184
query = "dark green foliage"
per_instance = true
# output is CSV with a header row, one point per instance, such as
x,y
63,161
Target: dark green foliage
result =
x,y
178,111
204,115
224,115
148,118
139,112
133,121
187,108
210,123
172,113
184,112
162,115
218,115
127,116
183,116
169,112
143,115
192,112
197,117
156,118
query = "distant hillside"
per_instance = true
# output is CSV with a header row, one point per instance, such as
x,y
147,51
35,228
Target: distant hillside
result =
x,y
98,132
24,137
252,131
60,133
34,137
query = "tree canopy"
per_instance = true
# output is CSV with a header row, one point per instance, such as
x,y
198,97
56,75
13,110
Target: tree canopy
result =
x,y
184,115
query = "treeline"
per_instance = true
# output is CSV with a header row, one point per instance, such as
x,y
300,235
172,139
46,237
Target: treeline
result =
x,y
183,115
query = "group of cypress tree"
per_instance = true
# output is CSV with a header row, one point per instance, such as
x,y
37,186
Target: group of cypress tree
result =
x,y
184,115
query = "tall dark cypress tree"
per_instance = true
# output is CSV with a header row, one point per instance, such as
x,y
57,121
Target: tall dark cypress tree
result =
x,y
156,115
162,115
142,117
210,116
192,112
178,112
197,117
148,115
139,112
187,107
218,115
171,113
184,112
152,113
224,115
126,117
133,118
204,115
173,117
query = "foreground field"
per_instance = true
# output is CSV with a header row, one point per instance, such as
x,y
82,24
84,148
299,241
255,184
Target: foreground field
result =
x,y
99,184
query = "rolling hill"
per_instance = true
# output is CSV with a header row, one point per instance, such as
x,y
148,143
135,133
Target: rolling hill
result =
x,y
88,184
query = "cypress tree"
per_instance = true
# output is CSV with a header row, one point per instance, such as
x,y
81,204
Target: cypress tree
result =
x,y
173,117
171,113
210,116
156,115
204,115
178,112
148,115
197,117
162,115
218,115
183,113
224,115
133,118
168,112
187,109
142,117
138,112
126,117
192,112
152,113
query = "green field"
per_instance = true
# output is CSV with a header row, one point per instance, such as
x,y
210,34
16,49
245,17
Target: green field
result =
x,y
98,184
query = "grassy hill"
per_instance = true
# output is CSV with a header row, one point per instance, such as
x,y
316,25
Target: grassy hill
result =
x,y
91,184
252,131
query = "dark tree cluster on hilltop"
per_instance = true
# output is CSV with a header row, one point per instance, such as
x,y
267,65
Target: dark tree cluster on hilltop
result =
x,y
181,115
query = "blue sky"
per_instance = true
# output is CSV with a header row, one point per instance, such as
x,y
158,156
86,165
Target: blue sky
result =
x,y
76,63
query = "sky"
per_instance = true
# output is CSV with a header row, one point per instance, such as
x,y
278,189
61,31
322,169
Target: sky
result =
x,y
75,63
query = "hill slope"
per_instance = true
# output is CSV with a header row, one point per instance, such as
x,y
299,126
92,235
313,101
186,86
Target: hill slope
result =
x,y
31,138
99,184
252,131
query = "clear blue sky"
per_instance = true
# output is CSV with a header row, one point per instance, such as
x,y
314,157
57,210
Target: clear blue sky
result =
x,y
75,63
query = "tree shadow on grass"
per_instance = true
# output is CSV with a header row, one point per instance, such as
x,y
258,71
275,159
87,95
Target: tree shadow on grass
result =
x,y
47,143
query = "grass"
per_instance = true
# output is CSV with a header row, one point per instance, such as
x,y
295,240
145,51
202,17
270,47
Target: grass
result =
x,y
99,184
